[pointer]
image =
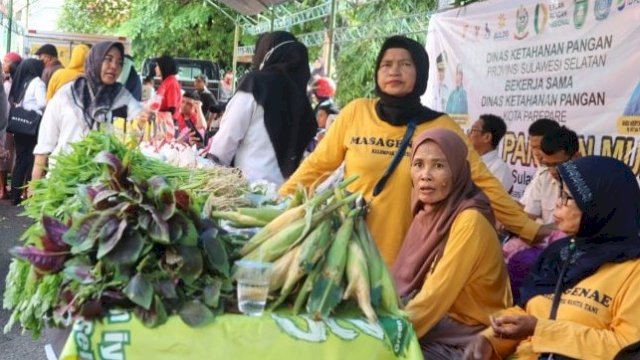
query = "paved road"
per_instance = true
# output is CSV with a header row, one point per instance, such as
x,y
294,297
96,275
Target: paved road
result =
x,y
14,346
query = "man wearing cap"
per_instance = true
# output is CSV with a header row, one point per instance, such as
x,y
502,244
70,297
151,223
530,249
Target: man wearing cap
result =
x,y
48,54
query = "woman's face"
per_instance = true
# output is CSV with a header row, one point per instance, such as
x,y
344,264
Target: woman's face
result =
x,y
431,174
397,73
322,117
567,215
158,71
111,67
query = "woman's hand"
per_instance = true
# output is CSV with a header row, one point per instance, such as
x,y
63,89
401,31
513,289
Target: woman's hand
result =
x,y
514,327
478,349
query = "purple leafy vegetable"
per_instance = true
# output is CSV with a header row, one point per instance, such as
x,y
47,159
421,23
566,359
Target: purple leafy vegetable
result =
x,y
45,261
54,230
140,291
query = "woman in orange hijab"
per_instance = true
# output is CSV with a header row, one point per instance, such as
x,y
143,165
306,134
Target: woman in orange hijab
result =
x,y
450,270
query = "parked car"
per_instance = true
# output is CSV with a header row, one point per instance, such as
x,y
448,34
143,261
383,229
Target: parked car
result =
x,y
188,69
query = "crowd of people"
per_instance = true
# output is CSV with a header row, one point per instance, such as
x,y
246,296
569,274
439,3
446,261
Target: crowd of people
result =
x,y
552,275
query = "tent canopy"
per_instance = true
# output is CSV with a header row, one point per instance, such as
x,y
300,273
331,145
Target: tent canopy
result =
x,y
251,7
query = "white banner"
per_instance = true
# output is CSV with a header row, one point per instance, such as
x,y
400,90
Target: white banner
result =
x,y
574,61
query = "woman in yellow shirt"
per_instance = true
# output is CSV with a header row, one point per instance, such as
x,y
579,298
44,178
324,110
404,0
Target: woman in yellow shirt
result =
x,y
450,268
581,300
368,134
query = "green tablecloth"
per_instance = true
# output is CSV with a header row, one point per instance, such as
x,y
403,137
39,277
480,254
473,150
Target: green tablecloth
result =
x,y
230,336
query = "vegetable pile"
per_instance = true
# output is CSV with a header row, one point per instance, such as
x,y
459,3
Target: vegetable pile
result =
x,y
128,240
323,254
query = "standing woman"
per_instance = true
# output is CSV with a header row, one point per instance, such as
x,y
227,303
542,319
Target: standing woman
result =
x,y
9,67
169,88
85,104
269,121
5,154
29,92
373,137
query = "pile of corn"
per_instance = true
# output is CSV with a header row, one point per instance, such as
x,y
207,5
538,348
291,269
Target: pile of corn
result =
x,y
322,252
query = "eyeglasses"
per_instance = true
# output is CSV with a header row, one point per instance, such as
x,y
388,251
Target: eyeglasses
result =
x,y
564,198
471,130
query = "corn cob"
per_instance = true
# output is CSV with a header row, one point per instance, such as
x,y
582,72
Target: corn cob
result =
x,y
326,293
320,198
383,289
305,289
239,220
375,265
293,275
291,215
280,223
358,280
298,198
291,235
280,269
272,228
264,213
315,245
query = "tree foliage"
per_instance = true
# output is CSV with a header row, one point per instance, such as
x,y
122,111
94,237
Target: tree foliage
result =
x,y
181,28
191,28
355,61
94,16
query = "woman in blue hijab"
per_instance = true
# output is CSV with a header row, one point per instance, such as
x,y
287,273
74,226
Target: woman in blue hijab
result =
x,y
581,299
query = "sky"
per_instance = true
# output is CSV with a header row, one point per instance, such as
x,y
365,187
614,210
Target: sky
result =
x,y
44,14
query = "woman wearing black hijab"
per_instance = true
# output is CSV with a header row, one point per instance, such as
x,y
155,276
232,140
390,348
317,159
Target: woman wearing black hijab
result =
x,y
269,121
29,92
369,133
169,88
88,103
581,298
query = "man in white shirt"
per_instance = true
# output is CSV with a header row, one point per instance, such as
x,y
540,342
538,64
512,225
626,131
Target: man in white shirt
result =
x,y
540,196
485,135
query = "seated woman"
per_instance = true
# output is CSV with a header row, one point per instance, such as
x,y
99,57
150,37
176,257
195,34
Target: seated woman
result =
x,y
581,299
450,267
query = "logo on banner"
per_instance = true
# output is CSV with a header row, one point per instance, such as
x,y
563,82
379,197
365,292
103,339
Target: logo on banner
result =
x,y
502,33
558,14
601,8
522,20
580,13
487,31
540,18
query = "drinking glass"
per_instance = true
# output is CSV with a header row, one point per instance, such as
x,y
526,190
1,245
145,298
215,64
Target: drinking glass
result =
x,y
253,285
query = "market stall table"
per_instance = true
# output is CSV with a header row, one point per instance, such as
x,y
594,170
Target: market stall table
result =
x,y
230,336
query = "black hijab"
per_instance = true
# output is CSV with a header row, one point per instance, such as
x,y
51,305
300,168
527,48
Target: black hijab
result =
x,y
400,110
278,84
609,226
167,66
28,70
89,92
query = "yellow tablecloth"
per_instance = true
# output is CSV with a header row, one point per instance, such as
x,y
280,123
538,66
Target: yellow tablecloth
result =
x,y
272,336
